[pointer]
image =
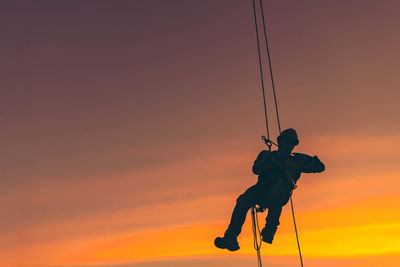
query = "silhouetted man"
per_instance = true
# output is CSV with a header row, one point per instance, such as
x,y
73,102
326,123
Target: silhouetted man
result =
x,y
278,173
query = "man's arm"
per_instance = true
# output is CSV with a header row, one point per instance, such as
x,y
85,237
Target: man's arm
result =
x,y
309,164
260,164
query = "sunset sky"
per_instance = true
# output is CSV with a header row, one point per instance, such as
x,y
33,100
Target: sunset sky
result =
x,y
129,128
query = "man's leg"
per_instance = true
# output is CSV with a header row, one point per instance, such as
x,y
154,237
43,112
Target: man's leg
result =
x,y
243,203
278,197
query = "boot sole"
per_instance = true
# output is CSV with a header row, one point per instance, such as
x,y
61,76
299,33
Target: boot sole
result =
x,y
224,247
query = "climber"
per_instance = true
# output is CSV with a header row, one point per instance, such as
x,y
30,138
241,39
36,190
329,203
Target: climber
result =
x,y
278,173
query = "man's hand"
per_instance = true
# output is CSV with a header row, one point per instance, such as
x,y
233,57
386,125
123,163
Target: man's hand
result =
x,y
284,152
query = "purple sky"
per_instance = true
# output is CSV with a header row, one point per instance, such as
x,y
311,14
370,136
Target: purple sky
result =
x,y
96,95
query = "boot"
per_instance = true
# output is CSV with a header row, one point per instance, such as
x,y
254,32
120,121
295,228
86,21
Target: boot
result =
x,y
268,233
227,242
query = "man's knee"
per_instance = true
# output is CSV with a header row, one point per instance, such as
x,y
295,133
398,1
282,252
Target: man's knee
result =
x,y
278,196
244,200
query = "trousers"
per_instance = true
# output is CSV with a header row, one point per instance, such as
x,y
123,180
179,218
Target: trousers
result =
x,y
272,196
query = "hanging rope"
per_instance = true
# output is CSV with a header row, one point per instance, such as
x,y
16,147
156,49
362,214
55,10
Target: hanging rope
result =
x,y
254,217
261,70
256,234
270,67
295,229
256,231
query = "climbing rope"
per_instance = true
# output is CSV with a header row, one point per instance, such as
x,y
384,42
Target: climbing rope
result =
x,y
261,70
254,217
267,140
256,234
295,229
270,67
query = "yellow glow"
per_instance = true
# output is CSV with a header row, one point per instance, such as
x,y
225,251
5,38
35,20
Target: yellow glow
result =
x,y
369,227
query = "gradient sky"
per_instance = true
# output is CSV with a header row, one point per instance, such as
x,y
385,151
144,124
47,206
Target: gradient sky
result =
x,y
130,127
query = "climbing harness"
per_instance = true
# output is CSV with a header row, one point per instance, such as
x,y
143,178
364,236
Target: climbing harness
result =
x,y
267,140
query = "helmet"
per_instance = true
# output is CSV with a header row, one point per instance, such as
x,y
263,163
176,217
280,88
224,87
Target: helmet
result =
x,y
289,135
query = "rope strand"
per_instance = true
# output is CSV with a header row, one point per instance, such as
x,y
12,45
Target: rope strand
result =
x,y
295,228
261,69
256,235
254,214
270,67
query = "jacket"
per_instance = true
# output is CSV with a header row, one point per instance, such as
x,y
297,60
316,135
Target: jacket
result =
x,y
275,166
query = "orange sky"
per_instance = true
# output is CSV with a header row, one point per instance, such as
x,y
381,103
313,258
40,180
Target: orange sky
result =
x,y
130,128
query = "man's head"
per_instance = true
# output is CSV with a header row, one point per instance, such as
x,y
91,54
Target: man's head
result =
x,y
288,137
